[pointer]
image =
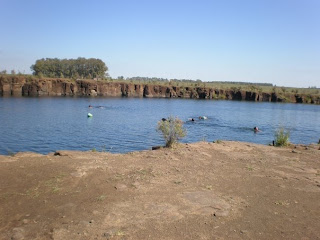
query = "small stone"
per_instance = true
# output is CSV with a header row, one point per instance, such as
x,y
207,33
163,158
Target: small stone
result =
x,y
18,234
120,187
221,213
107,235
60,153
25,221
95,212
84,222
156,147
294,151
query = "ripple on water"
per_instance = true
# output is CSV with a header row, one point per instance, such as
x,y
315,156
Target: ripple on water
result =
x,y
46,124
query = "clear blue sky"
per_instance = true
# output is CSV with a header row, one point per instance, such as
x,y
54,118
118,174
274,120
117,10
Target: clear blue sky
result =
x,y
274,41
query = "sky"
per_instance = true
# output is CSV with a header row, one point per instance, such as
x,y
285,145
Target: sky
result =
x,y
263,41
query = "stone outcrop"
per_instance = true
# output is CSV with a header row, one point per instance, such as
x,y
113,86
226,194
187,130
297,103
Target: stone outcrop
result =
x,y
18,86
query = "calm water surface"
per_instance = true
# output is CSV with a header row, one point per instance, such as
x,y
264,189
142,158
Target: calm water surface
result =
x,y
128,124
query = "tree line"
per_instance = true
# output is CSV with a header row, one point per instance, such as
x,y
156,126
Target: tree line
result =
x,y
70,68
166,80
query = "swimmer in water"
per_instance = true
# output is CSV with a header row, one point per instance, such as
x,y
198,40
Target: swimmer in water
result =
x,y
203,117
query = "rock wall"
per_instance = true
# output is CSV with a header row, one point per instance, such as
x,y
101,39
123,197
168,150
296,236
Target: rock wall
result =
x,y
18,86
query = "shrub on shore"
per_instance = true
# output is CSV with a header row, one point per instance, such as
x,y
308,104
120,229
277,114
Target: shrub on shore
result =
x,y
172,130
281,138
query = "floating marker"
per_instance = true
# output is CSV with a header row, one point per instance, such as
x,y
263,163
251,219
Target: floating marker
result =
x,y
89,115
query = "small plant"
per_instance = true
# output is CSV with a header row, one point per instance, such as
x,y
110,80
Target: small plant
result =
x,y
93,150
281,138
10,153
249,168
55,189
101,198
172,130
103,148
120,233
204,139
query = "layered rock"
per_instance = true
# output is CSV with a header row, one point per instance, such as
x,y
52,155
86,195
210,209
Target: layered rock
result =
x,y
18,86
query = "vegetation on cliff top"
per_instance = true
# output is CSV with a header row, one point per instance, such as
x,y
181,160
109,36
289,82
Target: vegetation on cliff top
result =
x,y
70,68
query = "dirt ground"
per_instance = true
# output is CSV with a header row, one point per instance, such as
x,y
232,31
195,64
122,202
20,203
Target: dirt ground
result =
x,y
226,190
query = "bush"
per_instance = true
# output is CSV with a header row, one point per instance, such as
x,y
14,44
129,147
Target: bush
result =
x,y
281,138
172,130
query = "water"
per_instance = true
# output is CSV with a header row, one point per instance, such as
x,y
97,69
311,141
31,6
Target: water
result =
x,y
129,124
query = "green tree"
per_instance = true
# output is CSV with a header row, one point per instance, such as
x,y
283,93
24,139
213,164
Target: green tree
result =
x,y
70,68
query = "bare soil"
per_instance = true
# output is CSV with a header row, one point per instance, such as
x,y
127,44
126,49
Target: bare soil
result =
x,y
227,190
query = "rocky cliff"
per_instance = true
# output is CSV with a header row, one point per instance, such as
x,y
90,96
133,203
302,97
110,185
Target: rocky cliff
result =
x,y
17,86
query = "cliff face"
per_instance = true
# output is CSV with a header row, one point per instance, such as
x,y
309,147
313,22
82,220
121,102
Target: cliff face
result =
x,y
17,86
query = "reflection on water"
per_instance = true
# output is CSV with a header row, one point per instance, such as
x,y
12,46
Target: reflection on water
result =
x,y
129,124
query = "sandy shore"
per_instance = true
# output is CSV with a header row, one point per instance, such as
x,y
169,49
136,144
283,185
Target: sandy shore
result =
x,y
227,190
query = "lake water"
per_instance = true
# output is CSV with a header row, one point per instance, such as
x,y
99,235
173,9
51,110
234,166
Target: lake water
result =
x,y
129,124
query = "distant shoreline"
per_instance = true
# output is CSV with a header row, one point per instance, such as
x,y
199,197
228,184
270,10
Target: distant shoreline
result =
x,y
17,86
